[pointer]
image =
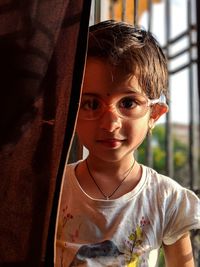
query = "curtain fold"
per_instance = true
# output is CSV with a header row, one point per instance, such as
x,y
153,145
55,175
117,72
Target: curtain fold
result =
x,y
42,55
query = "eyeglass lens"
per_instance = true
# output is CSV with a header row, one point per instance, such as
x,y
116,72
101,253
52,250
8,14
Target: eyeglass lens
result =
x,y
129,106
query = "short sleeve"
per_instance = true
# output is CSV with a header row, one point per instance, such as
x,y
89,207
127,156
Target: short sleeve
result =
x,y
183,216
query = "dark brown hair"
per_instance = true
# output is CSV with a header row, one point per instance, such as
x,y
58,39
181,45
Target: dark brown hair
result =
x,y
134,51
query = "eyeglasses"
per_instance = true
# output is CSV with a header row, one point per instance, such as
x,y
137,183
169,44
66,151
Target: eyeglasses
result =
x,y
131,106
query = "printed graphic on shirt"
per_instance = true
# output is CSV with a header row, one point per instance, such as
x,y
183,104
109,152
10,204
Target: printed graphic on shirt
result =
x,y
104,249
66,218
135,255
130,252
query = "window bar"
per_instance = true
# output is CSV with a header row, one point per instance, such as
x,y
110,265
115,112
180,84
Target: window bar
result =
x,y
97,14
149,151
135,23
198,66
191,105
169,142
193,141
135,15
123,10
150,11
111,9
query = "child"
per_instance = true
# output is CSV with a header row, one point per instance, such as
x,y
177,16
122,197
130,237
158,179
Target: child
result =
x,y
113,210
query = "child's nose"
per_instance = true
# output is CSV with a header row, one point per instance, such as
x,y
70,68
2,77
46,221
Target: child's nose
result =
x,y
110,120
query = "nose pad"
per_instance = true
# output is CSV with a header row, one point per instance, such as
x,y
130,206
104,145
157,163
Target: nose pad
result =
x,y
110,120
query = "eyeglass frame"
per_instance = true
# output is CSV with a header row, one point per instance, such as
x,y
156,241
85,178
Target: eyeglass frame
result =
x,y
149,102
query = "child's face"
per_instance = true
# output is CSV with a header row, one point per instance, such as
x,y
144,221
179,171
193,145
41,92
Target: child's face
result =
x,y
111,135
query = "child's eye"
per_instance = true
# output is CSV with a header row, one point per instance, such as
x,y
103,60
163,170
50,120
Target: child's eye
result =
x,y
90,103
128,103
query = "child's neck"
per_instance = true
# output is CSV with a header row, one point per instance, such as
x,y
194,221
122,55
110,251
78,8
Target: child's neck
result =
x,y
117,169
108,179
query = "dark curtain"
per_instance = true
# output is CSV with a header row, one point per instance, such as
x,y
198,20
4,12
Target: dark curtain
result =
x,y
42,55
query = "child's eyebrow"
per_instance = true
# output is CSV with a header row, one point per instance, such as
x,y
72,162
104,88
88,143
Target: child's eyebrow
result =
x,y
132,91
127,91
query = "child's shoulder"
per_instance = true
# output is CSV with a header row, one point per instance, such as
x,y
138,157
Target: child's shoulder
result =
x,y
161,180
167,187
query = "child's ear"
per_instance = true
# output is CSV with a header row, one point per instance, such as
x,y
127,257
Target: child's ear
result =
x,y
158,110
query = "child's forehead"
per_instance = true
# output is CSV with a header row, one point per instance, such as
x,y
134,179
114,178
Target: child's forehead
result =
x,y
103,78
119,88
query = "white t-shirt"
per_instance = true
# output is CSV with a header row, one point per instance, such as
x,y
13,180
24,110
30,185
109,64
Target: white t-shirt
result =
x,y
127,231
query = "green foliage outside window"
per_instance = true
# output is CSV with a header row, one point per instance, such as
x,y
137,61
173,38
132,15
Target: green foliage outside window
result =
x,y
180,154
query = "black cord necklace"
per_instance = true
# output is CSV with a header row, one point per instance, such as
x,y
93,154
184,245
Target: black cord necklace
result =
x,y
109,196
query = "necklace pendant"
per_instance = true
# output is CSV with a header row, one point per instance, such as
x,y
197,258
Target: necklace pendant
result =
x,y
107,198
